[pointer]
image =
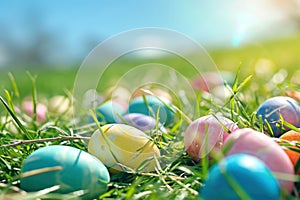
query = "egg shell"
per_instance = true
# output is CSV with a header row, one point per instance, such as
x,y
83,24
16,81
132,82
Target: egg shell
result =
x,y
60,105
41,110
206,134
92,99
251,175
271,109
257,144
138,105
293,155
70,168
143,122
162,94
208,80
130,146
109,112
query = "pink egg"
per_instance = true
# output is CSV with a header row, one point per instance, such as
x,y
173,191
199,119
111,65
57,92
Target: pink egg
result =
x,y
41,110
263,147
195,141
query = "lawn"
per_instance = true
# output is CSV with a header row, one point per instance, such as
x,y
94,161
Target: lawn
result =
x,y
262,71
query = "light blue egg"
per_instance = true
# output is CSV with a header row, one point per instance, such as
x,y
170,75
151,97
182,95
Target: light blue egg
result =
x,y
138,105
70,168
108,112
248,173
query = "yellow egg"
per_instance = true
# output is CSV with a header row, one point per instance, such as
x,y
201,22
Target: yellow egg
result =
x,y
122,147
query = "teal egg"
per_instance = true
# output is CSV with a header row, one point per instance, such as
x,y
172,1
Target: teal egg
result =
x,y
166,115
240,176
70,168
109,112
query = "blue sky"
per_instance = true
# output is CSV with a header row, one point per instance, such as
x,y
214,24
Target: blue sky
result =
x,y
74,23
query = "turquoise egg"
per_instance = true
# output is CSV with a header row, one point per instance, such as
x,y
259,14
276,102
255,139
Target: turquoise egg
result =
x,y
240,176
70,168
166,115
109,112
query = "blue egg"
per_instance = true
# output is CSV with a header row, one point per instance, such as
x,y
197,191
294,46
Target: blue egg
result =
x,y
109,112
70,168
243,173
138,105
143,122
273,108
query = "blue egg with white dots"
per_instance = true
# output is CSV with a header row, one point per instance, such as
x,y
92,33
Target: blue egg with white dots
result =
x,y
271,110
151,106
67,167
240,176
143,122
109,112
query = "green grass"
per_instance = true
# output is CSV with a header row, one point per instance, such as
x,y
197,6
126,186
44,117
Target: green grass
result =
x,y
179,177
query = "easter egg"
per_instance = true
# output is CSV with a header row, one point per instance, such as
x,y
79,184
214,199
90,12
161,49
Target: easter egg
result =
x,y
292,136
70,168
60,105
156,91
121,147
240,176
109,112
206,134
208,80
273,108
143,122
138,105
257,144
41,110
92,99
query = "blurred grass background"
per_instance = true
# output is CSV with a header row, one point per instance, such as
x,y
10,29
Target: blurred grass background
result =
x,y
257,58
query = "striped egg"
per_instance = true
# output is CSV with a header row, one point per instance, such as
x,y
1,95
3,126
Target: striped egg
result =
x,y
207,134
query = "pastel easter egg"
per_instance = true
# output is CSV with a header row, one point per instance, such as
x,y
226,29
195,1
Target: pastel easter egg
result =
x,y
70,168
109,112
8,125
293,155
143,122
139,105
208,80
207,134
240,176
121,147
41,110
60,105
257,144
158,92
273,108
92,99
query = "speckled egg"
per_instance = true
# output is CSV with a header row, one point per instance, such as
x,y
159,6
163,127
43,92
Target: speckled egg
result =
x,y
138,105
240,176
257,144
271,110
109,112
123,147
293,155
206,134
143,122
70,168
